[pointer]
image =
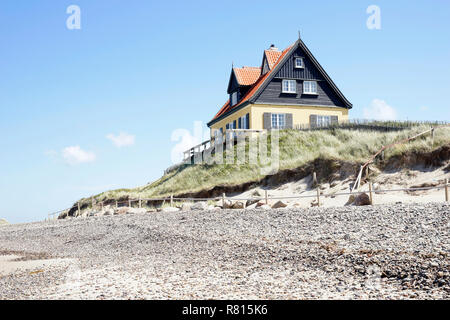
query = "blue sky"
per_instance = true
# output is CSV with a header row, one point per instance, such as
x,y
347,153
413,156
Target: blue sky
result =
x,y
145,69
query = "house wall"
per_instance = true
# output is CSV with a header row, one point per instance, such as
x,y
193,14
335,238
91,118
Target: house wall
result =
x,y
325,96
300,114
222,123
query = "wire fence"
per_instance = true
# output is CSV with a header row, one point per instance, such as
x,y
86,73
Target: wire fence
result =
x,y
79,207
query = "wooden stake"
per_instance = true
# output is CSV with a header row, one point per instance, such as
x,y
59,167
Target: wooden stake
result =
x,y
140,202
92,202
446,190
102,205
223,200
129,203
171,200
79,210
432,137
266,196
318,197
370,193
314,178
117,204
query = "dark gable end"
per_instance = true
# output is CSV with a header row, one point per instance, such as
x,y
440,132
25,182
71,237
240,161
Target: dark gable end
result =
x,y
232,83
328,93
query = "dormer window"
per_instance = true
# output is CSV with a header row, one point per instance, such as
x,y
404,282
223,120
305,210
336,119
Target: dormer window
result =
x,y
310,87
299,63
289,86
234,98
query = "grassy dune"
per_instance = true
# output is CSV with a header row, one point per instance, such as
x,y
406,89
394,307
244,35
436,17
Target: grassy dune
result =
x,y
297,148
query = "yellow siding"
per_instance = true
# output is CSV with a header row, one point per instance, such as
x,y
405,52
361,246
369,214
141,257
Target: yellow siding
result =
x,y
300,114
222,123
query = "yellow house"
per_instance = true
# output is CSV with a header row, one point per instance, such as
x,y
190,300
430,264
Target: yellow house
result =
x,y
288,90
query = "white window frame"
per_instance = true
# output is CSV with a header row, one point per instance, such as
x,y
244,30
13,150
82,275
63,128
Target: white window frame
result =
x,y
288,86
308,87
297,66
243,122
323,121
234,97
278,121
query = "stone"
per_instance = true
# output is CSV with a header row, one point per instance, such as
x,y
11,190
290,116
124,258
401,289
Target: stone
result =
x,y
262,203
170,209
186,206
362,200
201,205
109,212
122,210
211,207
228,204
350,200
265,207
279,204
251,201
238,205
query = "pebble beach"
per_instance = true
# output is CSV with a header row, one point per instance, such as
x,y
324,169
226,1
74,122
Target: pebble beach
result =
x,y
396,251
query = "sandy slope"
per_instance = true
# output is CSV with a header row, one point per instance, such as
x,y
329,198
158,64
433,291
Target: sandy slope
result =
x,y
386,181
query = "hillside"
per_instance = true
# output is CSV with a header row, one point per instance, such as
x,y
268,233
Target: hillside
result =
x,y
3,222
301,152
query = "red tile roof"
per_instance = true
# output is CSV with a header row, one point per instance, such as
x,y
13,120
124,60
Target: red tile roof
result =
x,y
246,76
227,107
272,57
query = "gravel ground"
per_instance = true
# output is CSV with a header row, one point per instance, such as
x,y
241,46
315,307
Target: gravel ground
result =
x,y
374,252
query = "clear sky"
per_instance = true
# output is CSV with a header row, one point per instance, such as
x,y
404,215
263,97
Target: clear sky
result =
x,y
91,109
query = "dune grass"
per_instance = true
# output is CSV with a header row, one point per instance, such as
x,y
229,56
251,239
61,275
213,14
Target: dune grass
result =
x,y
297,148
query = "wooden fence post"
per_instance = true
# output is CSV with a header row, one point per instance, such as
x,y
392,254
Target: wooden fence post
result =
x,y
370,193
171,200
140,202
314,178
446,190
129,203
79,209
266,196
318,196
101,204
223,200
117,204
92,202
432,137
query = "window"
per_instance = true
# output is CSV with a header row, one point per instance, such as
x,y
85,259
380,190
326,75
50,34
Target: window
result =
x,y
310,87
234,98
243,121
289,86
231,125
278,120
323,121
299,62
